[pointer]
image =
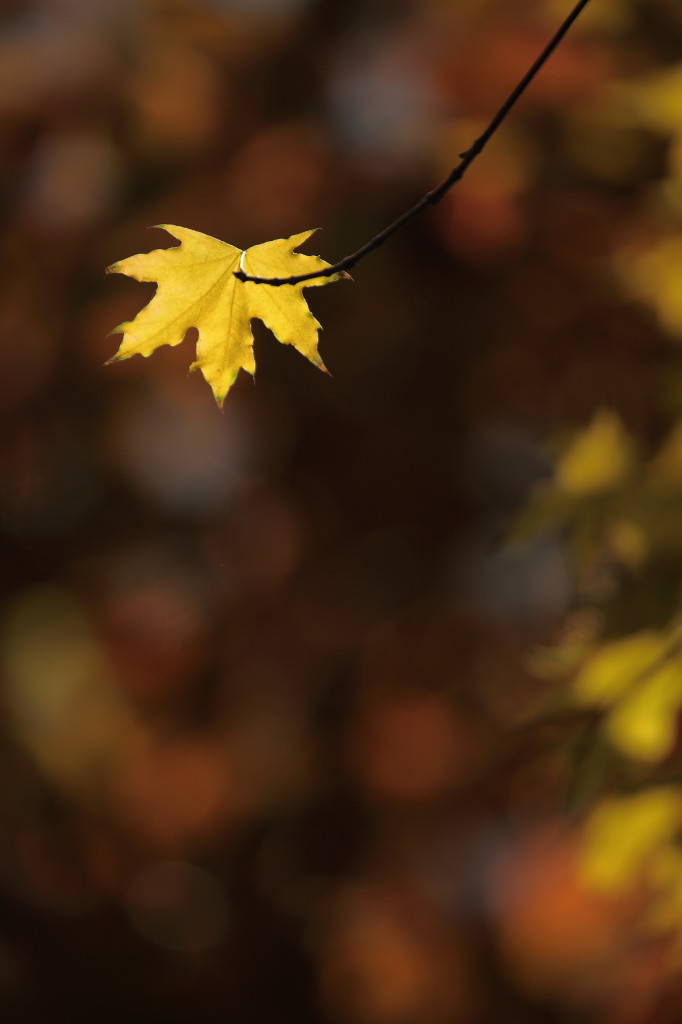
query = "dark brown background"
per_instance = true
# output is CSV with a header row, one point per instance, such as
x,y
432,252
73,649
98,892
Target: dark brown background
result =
x,y
262,669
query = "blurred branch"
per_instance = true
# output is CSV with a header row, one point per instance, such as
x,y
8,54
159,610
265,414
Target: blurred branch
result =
x,y
457,173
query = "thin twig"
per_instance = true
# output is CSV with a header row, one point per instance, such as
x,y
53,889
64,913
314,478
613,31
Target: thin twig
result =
x,y
436,194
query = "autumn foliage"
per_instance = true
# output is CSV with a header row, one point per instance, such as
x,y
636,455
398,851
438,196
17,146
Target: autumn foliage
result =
x,y
197,287
357,700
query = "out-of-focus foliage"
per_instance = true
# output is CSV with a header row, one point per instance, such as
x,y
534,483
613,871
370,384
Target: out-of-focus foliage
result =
x,y
623,515
196,287
625,835
598,460
271,750
625,661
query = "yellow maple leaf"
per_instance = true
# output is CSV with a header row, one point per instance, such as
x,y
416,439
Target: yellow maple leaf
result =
x,y
196,287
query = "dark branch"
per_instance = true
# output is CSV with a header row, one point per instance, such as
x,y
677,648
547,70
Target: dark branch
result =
x,y
455,175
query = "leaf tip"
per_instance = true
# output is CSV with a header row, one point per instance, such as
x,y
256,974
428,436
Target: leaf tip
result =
x,y
170,228
301,237
316,360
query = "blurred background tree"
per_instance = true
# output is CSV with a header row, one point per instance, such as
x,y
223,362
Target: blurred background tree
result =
x,y
273,748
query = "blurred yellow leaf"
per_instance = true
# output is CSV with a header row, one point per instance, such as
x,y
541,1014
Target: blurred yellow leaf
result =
x,y
197,288
644,724
654,276
599,458
616,665
59,691
622,834
641,677
657,100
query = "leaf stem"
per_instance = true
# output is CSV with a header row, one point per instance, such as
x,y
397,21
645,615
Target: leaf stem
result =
x,y
455,175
